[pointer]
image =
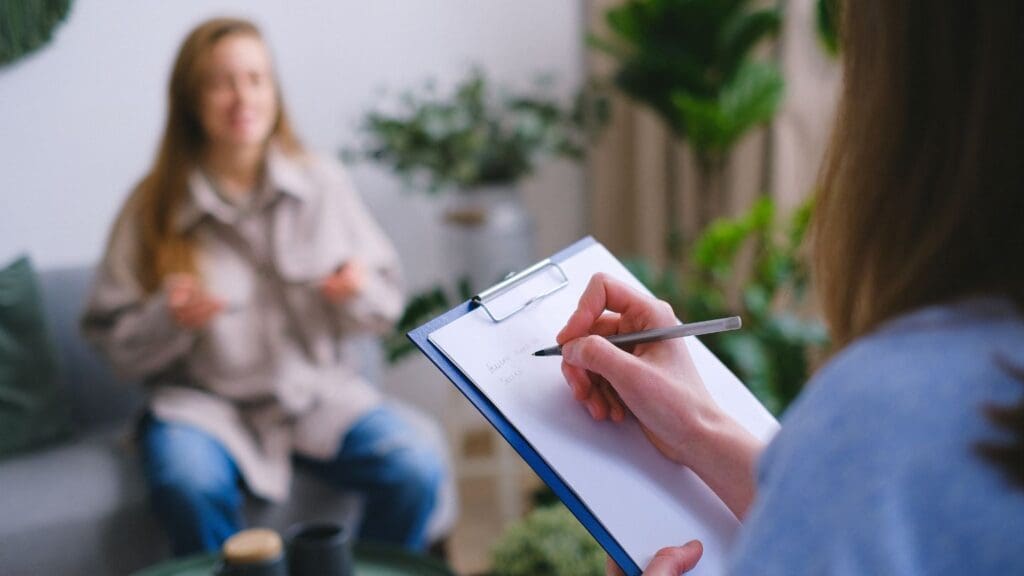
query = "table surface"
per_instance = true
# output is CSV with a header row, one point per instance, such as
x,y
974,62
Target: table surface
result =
x,y
371,560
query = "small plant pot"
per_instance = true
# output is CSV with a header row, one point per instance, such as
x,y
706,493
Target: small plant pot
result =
x,y
488,234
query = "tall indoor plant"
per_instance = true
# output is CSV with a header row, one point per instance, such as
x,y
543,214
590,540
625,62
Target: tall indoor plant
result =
x,y
695,64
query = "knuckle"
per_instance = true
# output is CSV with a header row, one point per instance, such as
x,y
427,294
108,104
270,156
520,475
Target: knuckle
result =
x,y
585,350
590,351
596,285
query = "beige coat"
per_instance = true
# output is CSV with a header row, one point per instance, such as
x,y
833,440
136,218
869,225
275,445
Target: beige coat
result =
x,y
269,375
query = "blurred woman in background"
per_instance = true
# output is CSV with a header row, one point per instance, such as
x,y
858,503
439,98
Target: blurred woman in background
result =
x,y
233,278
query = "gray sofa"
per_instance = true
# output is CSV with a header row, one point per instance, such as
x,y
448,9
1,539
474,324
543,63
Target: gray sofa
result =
x,y
79,507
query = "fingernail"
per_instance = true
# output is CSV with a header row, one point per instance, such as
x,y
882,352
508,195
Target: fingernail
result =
x,y
693,546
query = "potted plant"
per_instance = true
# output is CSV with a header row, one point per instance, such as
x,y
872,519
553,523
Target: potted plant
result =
x,y
693,62
549,540
774,352
476,138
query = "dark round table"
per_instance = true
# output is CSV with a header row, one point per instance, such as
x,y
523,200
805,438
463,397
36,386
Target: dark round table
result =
x,y
371,560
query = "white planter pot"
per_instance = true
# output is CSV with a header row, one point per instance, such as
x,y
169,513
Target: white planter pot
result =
x,y
487,234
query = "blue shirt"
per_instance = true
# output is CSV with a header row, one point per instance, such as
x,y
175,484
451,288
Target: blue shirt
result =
x,y
875,469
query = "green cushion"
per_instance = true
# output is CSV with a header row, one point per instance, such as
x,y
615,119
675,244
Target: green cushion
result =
x,y
34,409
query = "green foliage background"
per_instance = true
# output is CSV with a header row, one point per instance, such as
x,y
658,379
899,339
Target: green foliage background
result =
x,y
694,63
774,351
548,541
827,19
25,25
479,135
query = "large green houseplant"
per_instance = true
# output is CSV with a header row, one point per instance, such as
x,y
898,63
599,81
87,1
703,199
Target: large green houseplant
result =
x,y
695,63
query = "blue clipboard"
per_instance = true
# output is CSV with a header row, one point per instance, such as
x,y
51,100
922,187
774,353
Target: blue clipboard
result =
x,y
419,337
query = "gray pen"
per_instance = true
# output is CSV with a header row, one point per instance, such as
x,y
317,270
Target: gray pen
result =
x,y
657,334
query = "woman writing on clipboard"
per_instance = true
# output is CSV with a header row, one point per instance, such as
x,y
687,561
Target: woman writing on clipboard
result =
x,y
234,277
905,453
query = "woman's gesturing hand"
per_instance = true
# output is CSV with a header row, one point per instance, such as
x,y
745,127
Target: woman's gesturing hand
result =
x,y
190,305
345,283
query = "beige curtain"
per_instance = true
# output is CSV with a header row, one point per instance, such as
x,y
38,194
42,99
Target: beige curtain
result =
x,y
627,171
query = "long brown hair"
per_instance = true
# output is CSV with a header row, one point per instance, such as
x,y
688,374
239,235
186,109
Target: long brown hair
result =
x,y
162,191
921,198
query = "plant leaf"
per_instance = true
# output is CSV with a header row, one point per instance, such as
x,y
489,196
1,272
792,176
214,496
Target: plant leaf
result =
x,y
714,125
827,18
742,34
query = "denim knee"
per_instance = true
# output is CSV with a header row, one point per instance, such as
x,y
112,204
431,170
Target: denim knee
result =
x,y
196,488
185,463
418,472
193,485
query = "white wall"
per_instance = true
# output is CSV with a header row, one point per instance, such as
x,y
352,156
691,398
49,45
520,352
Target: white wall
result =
x,y
80,119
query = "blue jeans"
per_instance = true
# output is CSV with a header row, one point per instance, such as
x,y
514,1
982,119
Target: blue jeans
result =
x,y
195,486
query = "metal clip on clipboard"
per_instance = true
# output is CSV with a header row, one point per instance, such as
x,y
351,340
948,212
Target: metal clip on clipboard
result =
x,y
513,280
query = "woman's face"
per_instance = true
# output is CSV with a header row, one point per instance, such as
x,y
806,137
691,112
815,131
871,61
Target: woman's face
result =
x,y
238,98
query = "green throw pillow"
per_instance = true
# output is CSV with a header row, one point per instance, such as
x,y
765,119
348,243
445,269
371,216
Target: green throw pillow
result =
x,y
33,406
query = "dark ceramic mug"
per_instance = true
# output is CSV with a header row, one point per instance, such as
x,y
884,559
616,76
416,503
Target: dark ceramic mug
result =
x,y
319,549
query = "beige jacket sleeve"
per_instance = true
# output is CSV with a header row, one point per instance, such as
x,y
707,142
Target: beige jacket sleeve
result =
x,y
381,301
132,329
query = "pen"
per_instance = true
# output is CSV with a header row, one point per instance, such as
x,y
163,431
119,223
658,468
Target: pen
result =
x,y
657,334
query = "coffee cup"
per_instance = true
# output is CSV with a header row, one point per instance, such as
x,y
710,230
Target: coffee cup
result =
x,y
319,549
253,552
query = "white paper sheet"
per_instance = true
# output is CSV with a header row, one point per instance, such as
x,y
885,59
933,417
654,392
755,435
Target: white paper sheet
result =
x,y
644,500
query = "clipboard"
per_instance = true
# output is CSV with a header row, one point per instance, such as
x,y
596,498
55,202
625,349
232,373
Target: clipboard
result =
x,y
487,300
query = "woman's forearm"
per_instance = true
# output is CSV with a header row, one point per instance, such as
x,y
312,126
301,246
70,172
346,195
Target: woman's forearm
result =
x,y
724,455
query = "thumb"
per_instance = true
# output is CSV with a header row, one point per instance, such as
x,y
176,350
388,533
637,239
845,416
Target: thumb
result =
x,y
598,355
675,560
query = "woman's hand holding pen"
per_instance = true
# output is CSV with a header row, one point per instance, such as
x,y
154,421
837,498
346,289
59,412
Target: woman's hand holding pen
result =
x,y
658,383
190,305
346,282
